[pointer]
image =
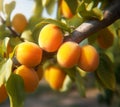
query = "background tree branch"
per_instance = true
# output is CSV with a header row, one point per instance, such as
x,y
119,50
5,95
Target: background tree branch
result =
x,y
111,14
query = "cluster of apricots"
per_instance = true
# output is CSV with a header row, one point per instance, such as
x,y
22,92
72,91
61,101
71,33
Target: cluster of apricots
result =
x,y
68,54
50,40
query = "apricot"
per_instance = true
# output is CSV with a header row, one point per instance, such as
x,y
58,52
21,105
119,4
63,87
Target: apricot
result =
x,y
19,22
50,38
65,10
3,94
55,77
29,54
89,58
68,54
105,38
29,76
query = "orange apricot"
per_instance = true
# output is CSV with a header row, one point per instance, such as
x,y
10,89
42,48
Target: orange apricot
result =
x,y
29,54
65,10
89,58
105,38
50,38
3,94
55,77
19,22
68,54
29,76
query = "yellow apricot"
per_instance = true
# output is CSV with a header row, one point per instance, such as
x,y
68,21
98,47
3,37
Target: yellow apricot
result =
x,y
89,58
19,22
29,54
68,54
105,38
65,10
29,76
55,77
50,38
3,94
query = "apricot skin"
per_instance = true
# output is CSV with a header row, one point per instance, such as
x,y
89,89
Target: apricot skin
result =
x,y
19,22
55,77
68,54
29,77
29,54
65,10
50,38
3,94
89,58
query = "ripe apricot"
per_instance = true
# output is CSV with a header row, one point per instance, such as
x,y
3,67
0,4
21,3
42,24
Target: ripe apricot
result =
x,y
68,54
65,10
3,94
29,77
89,58
55,77
50,38
105,38
19,22
29,54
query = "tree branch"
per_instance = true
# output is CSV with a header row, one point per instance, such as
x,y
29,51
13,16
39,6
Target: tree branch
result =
x,y
9,27
111,14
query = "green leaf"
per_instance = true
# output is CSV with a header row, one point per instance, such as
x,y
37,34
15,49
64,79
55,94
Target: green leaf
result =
x,y
56,22
5,70
50,6
80,84
15,89
97,13
105,73
71,3
8,9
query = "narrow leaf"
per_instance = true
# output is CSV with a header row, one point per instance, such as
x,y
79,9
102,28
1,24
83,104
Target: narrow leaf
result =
x,y
15,89
5,70
105,73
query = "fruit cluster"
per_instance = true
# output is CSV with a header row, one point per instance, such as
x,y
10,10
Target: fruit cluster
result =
x,y
68,54
32,57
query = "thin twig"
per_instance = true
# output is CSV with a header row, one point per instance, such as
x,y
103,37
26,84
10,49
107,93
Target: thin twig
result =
x,y
15,34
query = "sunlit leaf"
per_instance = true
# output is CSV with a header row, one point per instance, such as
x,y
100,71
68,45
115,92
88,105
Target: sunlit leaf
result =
x,y
105,73
15,89
5,70
9,7
98,13
56,22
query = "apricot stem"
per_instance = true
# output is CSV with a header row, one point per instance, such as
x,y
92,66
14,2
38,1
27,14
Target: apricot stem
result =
x,y
86,29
